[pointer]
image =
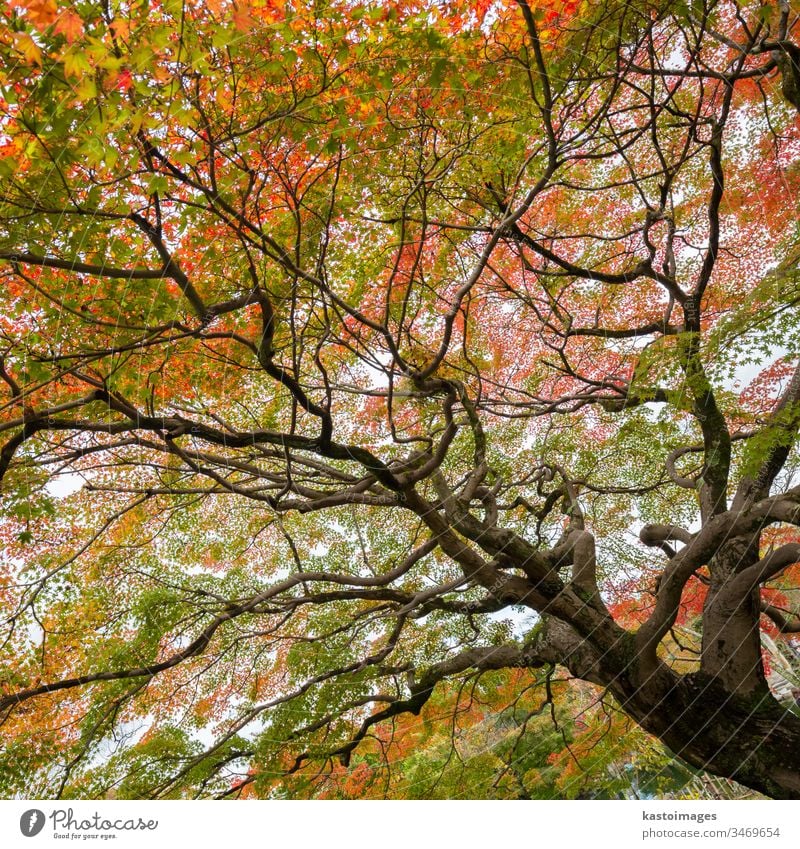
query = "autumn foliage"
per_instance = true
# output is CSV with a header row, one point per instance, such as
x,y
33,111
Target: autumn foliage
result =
x,y
398,399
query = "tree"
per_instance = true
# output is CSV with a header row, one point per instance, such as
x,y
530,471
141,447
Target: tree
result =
x,y
373,334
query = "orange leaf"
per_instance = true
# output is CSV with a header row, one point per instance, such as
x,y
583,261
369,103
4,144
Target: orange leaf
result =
x,y
242,17
42,13
69,25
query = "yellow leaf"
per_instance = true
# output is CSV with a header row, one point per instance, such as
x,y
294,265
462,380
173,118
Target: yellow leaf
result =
x,y
28,48
87,90
76,64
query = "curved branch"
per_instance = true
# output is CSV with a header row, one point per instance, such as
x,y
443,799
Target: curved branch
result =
x,y
481,659
784,624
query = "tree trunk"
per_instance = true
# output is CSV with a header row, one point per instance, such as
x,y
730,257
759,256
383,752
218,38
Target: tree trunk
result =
x,y
745,736
731,651
755,741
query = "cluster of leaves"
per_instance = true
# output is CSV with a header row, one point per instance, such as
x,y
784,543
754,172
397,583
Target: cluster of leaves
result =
x,y
281,284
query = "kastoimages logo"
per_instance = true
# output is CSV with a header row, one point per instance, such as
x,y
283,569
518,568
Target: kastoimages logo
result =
x,y
31,822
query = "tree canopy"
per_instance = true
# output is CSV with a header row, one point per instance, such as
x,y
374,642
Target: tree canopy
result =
x,y
370,364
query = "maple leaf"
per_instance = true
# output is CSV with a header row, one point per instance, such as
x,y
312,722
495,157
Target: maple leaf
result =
x,y
42,13
70,25
242,17
29,49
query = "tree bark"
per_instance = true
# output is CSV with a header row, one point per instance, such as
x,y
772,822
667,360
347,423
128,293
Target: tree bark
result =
x,y
731,650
